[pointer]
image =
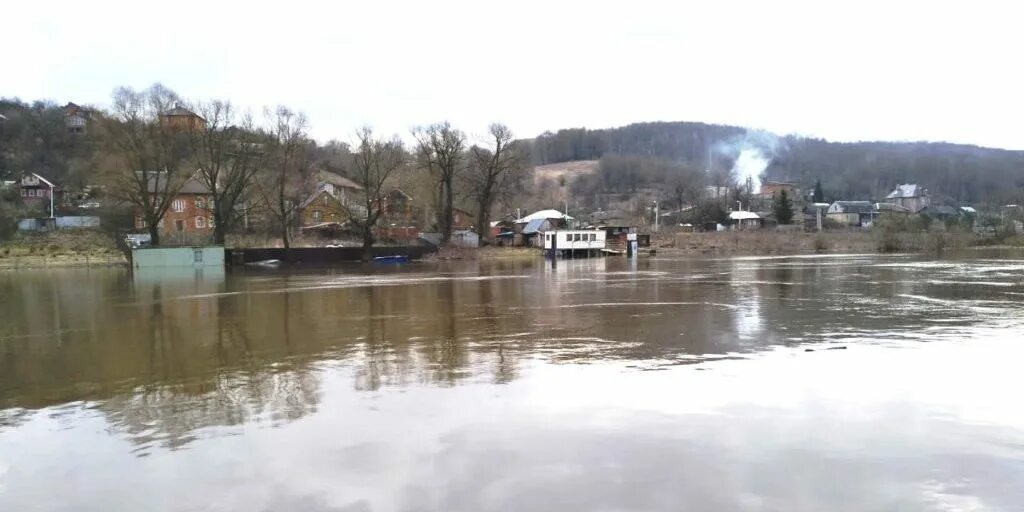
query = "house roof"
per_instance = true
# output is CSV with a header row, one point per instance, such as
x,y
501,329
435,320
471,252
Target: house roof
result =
x,y
191,186
42,179
534,226
399,192
543,214
939,210
179,110
337,180
313,197
907,191
891,207
968,209
741,215
855,206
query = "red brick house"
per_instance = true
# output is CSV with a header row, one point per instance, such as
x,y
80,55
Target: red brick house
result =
x,y
190,214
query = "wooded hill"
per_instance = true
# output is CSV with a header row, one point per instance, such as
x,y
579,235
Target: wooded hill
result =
x,y
954,173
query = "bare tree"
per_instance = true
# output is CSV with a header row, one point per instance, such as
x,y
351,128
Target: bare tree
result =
x,y
152,155
440,149
492,169
228,154
284,182
373,163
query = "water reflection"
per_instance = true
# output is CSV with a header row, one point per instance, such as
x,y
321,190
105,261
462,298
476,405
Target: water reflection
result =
x,y
511,367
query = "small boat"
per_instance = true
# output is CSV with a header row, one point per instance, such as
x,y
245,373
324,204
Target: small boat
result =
x,y
397,258
265,264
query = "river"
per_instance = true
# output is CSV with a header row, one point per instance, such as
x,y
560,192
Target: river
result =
x,y
847,382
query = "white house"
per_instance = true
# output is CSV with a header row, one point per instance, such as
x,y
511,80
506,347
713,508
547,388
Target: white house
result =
x,y
741,220
572,240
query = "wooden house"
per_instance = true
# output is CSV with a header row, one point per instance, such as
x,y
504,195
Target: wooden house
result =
x,y
852,213
322,207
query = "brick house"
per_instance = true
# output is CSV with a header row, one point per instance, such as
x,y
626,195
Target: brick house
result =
x,y
769,189
181,118
190,214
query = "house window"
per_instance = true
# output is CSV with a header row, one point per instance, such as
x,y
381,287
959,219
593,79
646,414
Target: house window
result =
x,y
323,200
568,237
200,222
31,192
24,192
576,237
178,205
593,237
179,225
199,203
316,215
209,222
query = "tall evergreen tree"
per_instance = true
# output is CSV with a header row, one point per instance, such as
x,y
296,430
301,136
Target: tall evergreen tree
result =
x,y
819,195
783,208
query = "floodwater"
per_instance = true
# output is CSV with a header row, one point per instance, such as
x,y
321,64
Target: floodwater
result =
x,y
791,384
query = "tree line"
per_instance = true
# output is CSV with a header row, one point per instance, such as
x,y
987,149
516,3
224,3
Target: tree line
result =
x,y
645,154
143,153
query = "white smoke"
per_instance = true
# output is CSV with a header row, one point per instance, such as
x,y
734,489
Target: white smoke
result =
x,y
749,166
751,154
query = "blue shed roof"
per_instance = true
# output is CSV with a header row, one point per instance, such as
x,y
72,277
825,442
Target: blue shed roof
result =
x,y
533,226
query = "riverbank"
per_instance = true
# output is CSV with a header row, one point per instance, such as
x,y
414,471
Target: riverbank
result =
x,y
64,248
778,242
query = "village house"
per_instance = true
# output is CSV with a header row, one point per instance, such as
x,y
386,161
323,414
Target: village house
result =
x,y
399,222
852,213
321,207
190,214
181,118
743,221
531,226
940,212
342,188
910,196
462,220
770,189
333,200
76,118
40,193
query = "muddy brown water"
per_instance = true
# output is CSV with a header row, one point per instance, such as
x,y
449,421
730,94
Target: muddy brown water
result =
x,y
803,383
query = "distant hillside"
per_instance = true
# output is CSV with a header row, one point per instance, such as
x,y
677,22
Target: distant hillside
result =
x,y
859,170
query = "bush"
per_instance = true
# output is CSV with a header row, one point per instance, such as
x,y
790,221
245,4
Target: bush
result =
x,y
820,244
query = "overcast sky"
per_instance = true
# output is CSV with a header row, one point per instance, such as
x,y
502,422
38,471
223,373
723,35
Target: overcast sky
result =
x,y
840,70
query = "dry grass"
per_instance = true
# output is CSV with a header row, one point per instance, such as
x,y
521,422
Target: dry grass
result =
x,y
768,242
71,247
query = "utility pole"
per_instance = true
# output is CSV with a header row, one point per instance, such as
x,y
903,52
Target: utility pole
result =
x,y
657,213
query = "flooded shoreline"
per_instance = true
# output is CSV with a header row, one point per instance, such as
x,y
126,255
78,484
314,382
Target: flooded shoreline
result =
x,y
579,385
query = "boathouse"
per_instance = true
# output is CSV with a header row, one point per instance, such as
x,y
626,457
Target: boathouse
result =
x,y
574,242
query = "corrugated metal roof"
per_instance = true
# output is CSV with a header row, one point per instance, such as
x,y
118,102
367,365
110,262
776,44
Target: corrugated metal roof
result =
x,y
533,226
543,215
855,206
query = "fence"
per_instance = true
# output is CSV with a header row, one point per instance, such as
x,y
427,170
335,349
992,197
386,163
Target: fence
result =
x,y
49,224
321,255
